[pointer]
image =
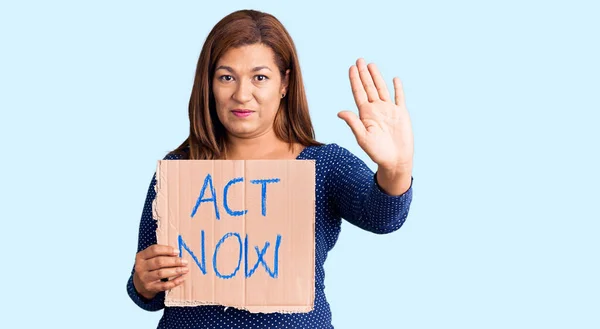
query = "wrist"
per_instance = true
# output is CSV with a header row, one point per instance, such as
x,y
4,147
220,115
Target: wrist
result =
x,y
396,180
395,170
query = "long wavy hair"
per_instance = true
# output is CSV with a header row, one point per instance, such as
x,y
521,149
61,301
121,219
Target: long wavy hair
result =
x,y
207,137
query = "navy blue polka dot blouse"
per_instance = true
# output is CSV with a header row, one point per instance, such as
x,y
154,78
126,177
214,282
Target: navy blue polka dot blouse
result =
x,y
345,188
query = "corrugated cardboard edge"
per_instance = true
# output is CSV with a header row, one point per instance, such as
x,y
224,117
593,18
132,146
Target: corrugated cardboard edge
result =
x,y
251,309
156,208
155,211
314,235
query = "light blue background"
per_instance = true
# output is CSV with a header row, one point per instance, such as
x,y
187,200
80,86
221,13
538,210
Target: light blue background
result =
x,y
503,95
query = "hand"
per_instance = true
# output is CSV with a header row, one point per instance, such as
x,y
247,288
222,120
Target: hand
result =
x,y
155,263
382,129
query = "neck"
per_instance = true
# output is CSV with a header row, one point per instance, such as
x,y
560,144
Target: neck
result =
x,y
265,146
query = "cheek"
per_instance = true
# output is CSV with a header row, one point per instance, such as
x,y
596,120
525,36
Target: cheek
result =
x,y
268,100
219,96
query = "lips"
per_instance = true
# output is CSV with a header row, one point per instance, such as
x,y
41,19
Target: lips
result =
x,y
242,112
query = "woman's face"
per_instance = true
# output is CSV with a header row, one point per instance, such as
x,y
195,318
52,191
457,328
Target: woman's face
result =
x,y
248,88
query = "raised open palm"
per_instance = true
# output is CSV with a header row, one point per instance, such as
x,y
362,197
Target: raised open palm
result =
x,y
382,127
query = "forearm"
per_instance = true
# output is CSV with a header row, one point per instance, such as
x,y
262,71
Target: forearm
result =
x,y
382,212
378,203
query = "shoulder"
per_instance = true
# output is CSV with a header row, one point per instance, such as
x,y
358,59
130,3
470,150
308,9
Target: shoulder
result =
x,y
331,154
174,155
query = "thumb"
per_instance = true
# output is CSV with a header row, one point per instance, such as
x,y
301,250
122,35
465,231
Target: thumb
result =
x,y
358,128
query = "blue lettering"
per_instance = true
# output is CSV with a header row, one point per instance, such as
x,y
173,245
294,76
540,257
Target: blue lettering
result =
x,y
213,198
225,204
273,273
230,234
264,183
182,245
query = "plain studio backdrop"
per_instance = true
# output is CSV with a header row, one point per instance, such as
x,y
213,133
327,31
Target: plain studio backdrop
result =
x,y
503,96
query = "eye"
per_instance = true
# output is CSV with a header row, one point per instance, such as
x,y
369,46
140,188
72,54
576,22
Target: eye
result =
x,y
226,78
262,77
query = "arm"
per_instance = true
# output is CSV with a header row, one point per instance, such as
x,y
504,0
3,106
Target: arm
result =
x,y
377,202
360,199
146,238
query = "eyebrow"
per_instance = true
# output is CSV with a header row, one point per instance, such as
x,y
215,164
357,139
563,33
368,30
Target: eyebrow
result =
x,y
228,68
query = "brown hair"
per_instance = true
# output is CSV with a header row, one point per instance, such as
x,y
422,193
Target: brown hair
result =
x,y
207,138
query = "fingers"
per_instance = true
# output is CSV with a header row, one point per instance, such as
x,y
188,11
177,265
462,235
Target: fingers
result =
x,y
157,250
163,273
380,85
164,262
367,81
161,267
398,91
357,127
149,289
159,286
156,263
358,90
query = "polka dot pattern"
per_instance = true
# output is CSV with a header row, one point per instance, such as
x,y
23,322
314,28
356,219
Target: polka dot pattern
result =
x,y
345,188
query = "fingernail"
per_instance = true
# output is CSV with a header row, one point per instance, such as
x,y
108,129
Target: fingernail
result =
x,y
175,251
184,261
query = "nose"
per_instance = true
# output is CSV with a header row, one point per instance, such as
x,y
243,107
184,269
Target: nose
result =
x,y
243,92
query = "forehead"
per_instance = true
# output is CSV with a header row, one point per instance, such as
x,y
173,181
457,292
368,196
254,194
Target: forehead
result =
x,y
248,57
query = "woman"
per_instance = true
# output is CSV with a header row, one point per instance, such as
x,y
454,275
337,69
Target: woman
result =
x,y
248,102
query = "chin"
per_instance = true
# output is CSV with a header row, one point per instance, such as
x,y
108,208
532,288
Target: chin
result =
x,y
241,130
247,131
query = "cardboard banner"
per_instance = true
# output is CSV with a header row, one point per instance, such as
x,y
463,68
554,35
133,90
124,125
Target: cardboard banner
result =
x,y
247,229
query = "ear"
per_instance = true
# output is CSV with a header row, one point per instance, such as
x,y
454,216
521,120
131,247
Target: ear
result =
x,y
285,82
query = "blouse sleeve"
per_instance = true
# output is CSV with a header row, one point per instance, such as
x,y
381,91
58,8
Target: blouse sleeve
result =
x,y
146,238
359,199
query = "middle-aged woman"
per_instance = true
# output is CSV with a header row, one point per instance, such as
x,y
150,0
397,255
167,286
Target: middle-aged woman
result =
x,y
248,102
